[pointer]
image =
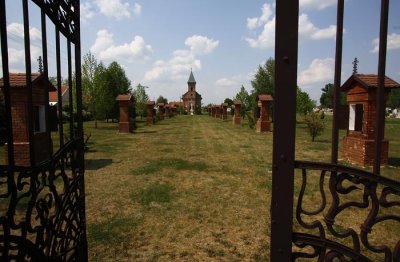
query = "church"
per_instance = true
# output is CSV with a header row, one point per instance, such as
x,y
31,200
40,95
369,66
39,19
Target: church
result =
x,y
191,99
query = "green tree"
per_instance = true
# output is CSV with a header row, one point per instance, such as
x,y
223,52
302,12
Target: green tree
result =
x,y
326,99
394,99
304,104
162,99
140,100
263,83
244,97
229,102
89,67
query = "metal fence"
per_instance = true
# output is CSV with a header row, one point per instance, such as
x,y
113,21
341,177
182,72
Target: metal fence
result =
x,y
42,200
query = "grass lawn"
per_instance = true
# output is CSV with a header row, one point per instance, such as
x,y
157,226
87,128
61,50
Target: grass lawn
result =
x,y
194,188
190,188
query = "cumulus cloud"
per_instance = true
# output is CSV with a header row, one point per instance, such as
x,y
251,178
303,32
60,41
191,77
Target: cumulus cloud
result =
x,y
105,49
87,11
266,38
393,42
200,45
319,71
16,50
137,9
233,81
182,59
114,8
317,4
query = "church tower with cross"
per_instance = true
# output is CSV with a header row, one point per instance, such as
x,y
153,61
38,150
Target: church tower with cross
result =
x,y
191,99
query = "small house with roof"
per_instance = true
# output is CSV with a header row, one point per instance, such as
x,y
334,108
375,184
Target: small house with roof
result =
x,y
359,142
191,99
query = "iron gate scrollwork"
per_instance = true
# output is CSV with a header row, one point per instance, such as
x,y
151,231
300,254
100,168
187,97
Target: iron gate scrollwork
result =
x,y
42,204
300,232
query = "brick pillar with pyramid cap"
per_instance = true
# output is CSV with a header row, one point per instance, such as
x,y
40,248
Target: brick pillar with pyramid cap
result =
x,y
236,117
263,122
125,103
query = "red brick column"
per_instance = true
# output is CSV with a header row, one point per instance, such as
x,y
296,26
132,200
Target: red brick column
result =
x,y
224,111
124,124
236,117
209,110
150,116
217,111
161,111
213,110
167,112
263,123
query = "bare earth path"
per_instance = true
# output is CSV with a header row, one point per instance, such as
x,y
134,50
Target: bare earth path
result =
x,y
190,188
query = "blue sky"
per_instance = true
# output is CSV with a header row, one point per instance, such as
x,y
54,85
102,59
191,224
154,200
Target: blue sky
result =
x,y
158,41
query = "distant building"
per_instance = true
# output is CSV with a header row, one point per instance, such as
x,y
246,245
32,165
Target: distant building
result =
x,y
53,96
191,99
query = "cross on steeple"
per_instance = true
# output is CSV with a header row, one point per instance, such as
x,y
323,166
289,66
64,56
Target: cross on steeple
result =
x,y
355,65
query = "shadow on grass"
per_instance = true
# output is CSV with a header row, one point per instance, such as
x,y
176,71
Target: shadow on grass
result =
x,y
95,164
394,161
173,163
144,132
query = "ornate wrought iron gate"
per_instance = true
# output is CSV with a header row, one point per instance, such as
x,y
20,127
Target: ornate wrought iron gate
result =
x,y
42,204
317,233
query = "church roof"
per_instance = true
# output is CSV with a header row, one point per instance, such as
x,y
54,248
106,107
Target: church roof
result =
x,y
191,78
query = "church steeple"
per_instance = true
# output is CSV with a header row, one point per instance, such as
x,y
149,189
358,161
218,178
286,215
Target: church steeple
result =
x,y
191,78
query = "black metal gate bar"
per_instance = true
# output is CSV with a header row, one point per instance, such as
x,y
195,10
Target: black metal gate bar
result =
x,y
6,82
46,74
70,101
337,81
380,94
59,95
28,72
286,48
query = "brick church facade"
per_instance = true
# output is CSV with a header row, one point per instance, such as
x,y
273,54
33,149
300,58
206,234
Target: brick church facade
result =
x,y
191,99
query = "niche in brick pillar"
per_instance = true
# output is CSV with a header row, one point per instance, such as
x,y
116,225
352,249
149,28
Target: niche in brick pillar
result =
x,y
236,117
217,111
359,143
125,124
150,112
263,123
21,114
224,110
161,111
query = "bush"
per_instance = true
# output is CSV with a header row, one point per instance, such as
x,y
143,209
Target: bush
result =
x,y
315,125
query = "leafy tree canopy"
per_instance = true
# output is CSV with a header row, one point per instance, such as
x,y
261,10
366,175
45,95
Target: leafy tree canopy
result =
x,y
162,99
140,100
304,104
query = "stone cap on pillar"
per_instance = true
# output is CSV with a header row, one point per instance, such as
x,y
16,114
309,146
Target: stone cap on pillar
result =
x,y
124,98
237,102
160,104
150,103
264,97
224,104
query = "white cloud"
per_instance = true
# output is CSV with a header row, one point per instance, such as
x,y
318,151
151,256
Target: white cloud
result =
x,y
105,49
266,39
200,45
319,71
87,11
114,8
233,82
16,30
137,9
393,42
178,65
307,30
317,4
225,82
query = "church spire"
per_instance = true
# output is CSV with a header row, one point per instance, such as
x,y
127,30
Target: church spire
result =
x,y
191,78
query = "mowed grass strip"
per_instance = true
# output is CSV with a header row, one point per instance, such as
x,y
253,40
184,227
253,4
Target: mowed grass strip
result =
x,y
195,188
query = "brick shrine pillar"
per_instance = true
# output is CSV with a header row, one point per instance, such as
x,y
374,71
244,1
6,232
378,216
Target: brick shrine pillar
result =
x,y
161,111
124,123
224,108
150,115
217,111
167,112
236,120
213,111
209,110
263,123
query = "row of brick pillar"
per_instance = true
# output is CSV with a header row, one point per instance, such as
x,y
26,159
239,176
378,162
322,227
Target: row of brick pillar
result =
x,y
221,111
164,111
263,105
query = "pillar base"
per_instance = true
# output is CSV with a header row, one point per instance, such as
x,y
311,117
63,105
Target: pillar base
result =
x,y
263,126
361,151
125,127
236,120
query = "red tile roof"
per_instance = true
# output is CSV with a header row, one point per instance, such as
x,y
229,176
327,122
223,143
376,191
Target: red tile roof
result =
x,y
53,95
19,80
123,98
369,81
